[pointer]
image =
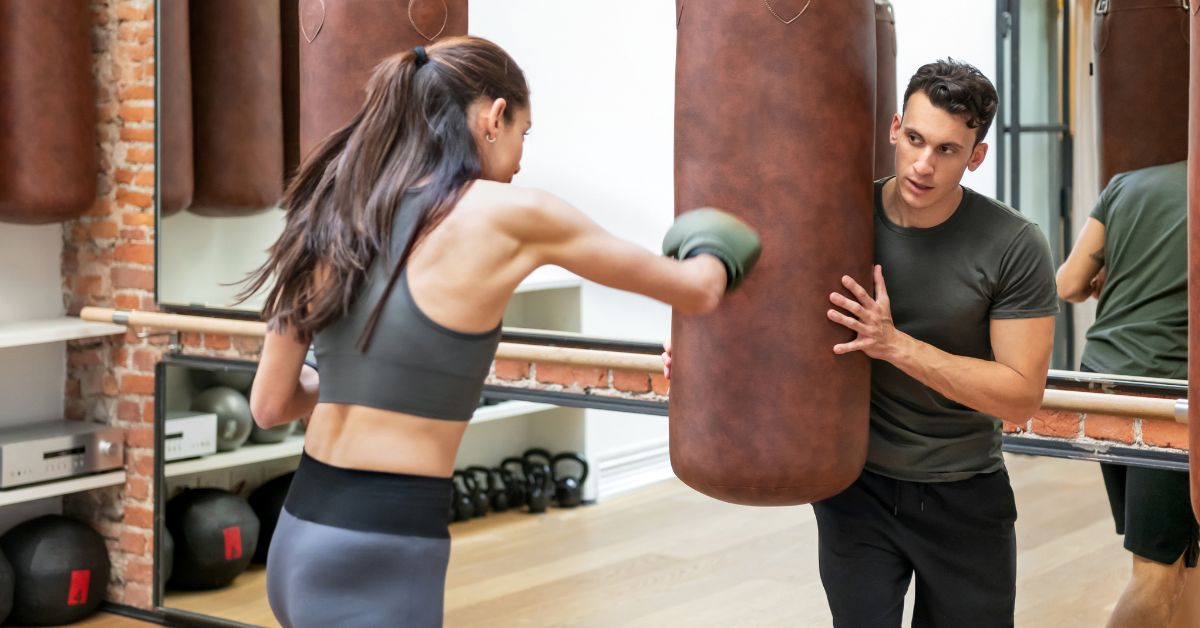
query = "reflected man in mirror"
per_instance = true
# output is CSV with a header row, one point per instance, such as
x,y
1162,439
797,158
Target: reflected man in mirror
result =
x,y
1132,256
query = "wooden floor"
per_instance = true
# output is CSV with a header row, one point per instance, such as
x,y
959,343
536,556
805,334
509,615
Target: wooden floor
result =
x,y
667,556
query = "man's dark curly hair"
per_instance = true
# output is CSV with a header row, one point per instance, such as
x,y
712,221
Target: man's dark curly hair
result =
x,y
959,88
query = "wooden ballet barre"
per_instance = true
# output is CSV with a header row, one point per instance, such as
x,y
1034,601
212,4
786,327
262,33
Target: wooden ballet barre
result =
x,y
1054,399
1116,405
506,351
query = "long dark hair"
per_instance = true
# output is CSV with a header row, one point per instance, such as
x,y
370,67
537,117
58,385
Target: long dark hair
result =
x,y
340,207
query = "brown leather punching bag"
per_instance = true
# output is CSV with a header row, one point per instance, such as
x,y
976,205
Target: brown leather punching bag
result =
x,y
1194,263
237,106
1141,64
341,42
885,88
47,111
774,120
176,182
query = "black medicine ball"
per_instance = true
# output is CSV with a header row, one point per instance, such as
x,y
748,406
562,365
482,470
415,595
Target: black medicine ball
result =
x,y
215,534
60,570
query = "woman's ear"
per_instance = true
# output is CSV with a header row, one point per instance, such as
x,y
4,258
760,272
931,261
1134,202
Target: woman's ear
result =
x,y
495,117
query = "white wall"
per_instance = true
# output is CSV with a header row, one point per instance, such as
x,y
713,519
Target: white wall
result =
x,y
927,30
199,254
32,378
603,81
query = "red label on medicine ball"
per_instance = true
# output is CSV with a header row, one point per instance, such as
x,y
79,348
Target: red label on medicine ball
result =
x,y
233,543
80,579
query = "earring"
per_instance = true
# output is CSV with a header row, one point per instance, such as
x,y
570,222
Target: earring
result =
x,y
489,138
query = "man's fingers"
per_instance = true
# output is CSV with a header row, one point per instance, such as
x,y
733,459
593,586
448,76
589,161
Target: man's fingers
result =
x,y
857,291
841,301
880,287
842,319
848,347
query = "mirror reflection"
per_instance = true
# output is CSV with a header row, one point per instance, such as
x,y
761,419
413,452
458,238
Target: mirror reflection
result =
x,y
231,132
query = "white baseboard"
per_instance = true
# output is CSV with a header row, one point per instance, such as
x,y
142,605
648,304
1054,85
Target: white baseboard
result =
x,y
629,468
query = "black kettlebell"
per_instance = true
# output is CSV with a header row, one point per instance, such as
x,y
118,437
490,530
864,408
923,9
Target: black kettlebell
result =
x,y
482,491
539,479
568,489
497,490
539,456
479,501
512,471
461,502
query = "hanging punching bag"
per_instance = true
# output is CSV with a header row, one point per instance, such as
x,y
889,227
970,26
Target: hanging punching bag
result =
x,y
176,182
885,88
237,106
1141,66
774,121
341,43
47,111
1194,262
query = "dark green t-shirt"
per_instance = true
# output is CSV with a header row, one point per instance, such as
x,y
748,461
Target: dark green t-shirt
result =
x,y
1142,317
946,283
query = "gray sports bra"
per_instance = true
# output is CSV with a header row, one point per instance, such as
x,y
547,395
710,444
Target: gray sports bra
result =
x,y
413,364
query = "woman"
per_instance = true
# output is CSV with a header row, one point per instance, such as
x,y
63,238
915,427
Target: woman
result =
x,y
403,243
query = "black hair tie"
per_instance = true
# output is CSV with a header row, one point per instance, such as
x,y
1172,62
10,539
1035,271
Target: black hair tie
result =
x,y
422,57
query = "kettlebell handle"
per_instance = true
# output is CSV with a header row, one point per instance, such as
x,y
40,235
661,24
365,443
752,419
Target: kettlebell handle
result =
x,y
574,457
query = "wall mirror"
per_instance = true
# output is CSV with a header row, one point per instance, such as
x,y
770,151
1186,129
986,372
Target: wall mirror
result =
x,y
229,134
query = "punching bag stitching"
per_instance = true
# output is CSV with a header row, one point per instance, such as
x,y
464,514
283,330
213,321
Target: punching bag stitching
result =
x,y
320,23
445,20
679,13
794,18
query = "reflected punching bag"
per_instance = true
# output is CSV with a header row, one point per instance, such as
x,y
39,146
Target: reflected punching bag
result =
x,y
1140,52
47,111
1194,262
342,41
237,106
885,88
176,182
774,121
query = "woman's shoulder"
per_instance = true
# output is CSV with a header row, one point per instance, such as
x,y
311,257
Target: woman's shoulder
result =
x,y
506,197
513,207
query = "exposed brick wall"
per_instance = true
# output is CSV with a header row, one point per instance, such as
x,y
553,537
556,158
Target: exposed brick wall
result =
x,y
108,257
586,380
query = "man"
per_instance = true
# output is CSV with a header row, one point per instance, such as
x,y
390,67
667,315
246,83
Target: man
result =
x,y
960,337
1132,255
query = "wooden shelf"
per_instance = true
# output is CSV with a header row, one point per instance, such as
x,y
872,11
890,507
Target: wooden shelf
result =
x,y
41,331
21,494
549,278
251,453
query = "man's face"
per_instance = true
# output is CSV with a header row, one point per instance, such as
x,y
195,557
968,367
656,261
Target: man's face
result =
x,y
934,148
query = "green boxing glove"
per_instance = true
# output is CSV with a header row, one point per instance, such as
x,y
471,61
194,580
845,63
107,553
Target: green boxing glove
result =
x,y
717,233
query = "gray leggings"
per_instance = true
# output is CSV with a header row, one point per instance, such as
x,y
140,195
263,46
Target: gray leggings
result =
x,y
359,548
319,575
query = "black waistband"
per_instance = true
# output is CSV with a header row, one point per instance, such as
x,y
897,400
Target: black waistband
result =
x,y
370,501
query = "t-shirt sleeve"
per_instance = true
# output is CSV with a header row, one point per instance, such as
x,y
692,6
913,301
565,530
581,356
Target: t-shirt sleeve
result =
x,y
1026,283
1104,203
